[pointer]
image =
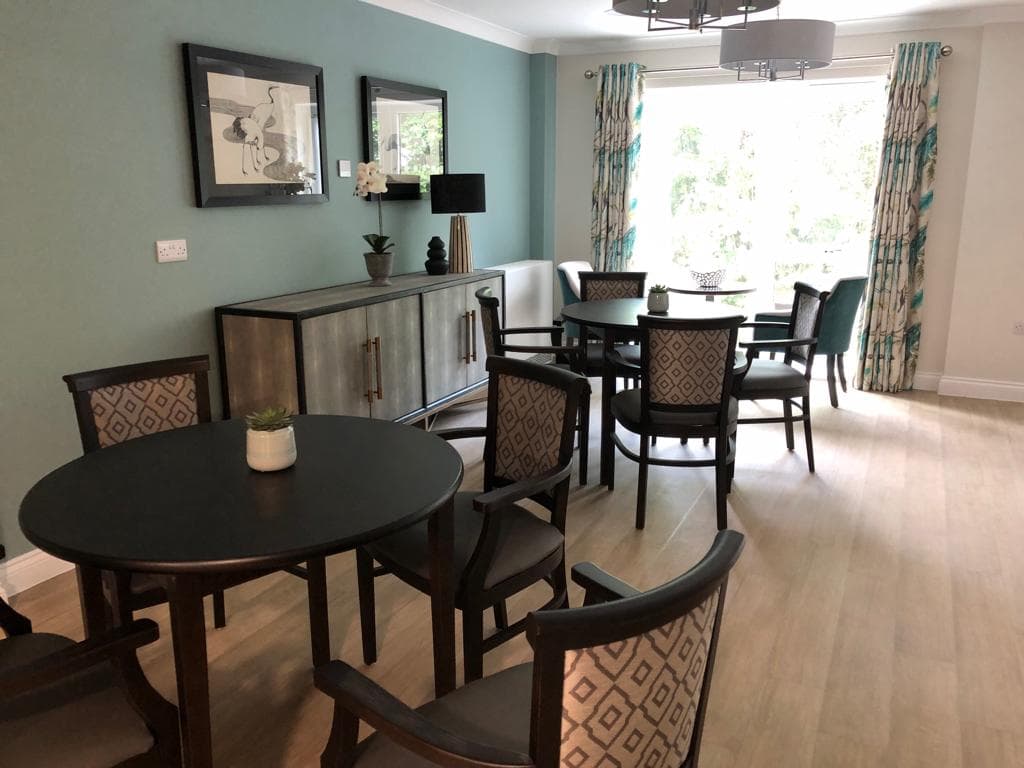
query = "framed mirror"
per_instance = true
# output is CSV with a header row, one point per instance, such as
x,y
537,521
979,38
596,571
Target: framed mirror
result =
x,y
405,131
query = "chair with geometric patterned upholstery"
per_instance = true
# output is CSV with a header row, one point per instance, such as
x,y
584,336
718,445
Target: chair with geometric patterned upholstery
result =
x,y
565,357
128,401
779,379
686,374
501,547
81,705
607,286
623,680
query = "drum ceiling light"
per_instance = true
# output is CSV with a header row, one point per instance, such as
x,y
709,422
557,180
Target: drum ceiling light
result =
x,y
665,15
778,49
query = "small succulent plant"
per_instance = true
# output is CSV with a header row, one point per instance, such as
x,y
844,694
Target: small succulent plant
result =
x,y
269,419
659,288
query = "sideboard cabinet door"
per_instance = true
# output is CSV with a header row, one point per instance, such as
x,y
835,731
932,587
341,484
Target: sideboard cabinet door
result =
x,y
336,363
477,369
394,330
445,341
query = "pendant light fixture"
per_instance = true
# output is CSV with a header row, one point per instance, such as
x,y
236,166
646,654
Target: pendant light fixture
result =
x,y
666,15
777,49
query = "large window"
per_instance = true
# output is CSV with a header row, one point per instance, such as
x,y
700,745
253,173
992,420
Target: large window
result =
x,y
773,182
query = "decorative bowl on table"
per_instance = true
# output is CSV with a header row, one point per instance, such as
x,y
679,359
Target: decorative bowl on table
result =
x,y
709,279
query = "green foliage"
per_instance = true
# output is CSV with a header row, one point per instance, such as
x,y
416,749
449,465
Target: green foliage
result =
x,y
659,288
269,419
422,150
379,243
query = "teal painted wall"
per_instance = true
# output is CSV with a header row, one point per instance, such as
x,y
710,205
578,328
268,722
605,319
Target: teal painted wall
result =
x,y
543,75
96,166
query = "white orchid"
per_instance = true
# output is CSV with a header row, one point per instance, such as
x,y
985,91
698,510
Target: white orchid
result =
x,y
370,181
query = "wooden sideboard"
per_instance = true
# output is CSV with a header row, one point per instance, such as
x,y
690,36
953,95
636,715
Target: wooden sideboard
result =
x,y
396,353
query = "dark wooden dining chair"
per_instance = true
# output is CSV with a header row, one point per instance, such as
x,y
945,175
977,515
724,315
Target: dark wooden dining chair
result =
x,y
686,375
501,548
569,358
128,401
81,705
606,286
622,681
789,379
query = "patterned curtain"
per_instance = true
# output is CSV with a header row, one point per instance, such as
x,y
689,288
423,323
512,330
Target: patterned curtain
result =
x,y
890,333
617,112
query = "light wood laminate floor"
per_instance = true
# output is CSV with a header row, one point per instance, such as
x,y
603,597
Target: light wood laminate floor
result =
x,y
876,617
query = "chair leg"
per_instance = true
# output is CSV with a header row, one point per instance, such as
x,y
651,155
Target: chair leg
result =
x,y
584,438
721,481
220,619
842,373
367,605
707,441
641,483
807,434
831,365
732,464
787,411
560,585
473,643
501,615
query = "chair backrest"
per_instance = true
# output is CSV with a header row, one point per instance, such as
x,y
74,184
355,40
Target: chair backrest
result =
x,y
118,404
840,314
604,286
569,279
687,365
531,419
626,682
805,322
490,319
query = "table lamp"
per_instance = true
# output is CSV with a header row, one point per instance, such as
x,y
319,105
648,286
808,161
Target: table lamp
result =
x,y
458,193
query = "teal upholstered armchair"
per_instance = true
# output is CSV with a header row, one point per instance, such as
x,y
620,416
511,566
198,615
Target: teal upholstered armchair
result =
x,y
569,282
836,328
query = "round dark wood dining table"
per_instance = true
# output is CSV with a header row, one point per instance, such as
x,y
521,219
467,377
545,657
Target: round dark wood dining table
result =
x,y
617,319
184,505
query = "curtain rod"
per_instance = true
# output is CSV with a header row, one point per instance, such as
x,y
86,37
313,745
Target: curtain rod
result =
x,y
946,50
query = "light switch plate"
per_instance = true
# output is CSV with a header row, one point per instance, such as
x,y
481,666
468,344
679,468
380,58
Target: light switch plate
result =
x,y
345,169
171,250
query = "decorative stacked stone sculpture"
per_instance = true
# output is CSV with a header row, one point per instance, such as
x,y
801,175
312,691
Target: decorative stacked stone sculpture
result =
x,y
437,261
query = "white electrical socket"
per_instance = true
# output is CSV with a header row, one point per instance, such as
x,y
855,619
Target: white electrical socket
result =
x,y
1018,328
171,250
345,169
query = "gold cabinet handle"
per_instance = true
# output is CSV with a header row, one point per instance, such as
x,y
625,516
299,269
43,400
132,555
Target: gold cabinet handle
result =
x,y
472,324
376,352
369,376
465,320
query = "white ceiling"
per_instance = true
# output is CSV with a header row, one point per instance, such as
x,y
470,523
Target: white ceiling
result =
x,y
583,26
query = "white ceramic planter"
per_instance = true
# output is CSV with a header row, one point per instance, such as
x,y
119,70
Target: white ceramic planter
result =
x,y
270,451
657,301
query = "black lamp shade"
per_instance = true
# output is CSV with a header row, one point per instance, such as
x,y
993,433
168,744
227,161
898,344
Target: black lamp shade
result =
x,y
457,193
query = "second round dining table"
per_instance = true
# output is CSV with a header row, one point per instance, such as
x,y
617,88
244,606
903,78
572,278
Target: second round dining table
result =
x,y
618,321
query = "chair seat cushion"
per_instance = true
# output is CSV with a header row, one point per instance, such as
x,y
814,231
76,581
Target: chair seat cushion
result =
x,y
524,541
773,375
494,711
626,410
83,721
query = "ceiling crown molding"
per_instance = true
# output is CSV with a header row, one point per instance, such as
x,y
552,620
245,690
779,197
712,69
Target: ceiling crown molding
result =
x,y
425,10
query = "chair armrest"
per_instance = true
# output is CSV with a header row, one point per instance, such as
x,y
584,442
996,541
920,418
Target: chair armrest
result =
x,y
780,316
601,586
765,324
459,433
570,351
536,329
616,359
754,346
366,700
523,489
68,661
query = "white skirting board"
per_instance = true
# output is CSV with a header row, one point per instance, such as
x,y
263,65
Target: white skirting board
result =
x,y
927,381
529,300
25,571
982,389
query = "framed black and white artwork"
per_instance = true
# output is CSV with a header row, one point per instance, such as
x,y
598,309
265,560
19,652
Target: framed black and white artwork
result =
x,y
257,128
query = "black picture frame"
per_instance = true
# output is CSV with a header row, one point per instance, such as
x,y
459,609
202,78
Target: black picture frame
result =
x,y
371,89
283,167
